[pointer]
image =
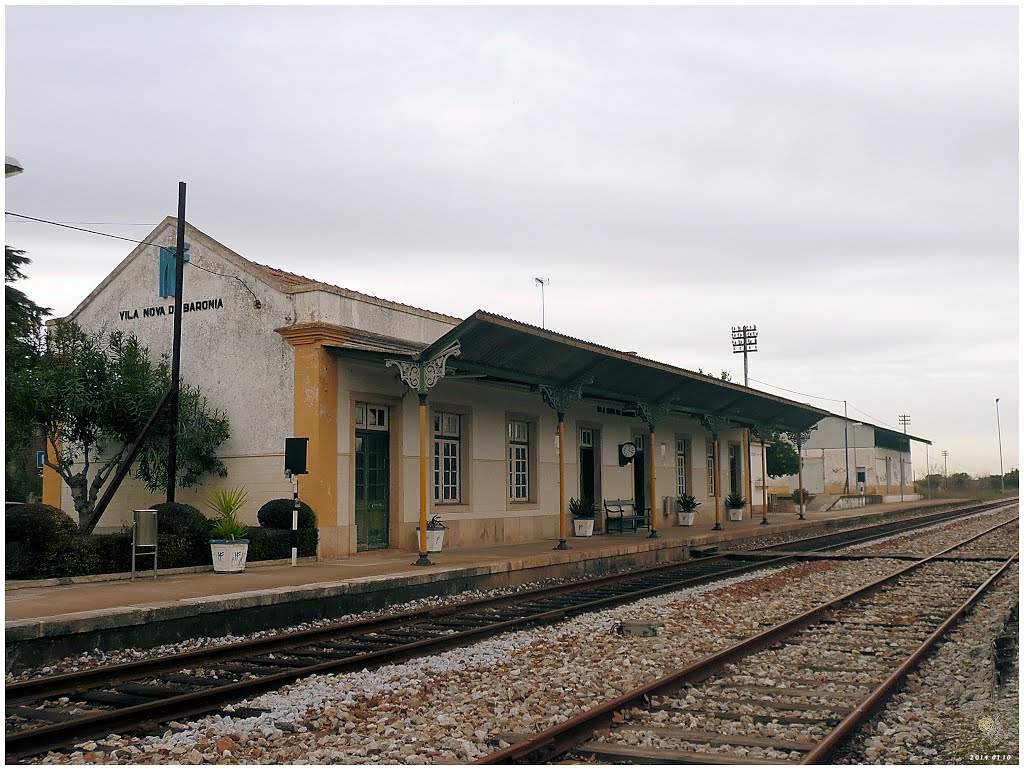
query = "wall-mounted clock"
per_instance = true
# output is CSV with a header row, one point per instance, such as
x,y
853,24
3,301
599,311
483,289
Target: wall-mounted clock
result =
x,y
627,452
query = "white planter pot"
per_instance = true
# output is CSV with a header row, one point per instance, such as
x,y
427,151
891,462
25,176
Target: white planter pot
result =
x,y
435,539
735,514
583,527
685,518
229,556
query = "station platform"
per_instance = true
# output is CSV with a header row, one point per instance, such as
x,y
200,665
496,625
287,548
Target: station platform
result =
x,y
44,620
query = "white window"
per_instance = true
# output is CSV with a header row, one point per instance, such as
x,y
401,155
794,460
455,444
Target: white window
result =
x,y
680,467
712,468
371,416
447,454
518,461
586,437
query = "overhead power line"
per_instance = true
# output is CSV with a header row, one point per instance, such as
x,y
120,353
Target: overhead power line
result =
x,y
256,299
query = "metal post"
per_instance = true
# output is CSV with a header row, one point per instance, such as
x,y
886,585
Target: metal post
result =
x,y
179,283
927,474
1002,479
542,283
718,485
945,470
846,446
423,561
800,471
750,475
904,421
295,519
563,544
654,495
764,483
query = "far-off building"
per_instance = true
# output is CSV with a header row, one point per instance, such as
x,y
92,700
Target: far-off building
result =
x,y
848,457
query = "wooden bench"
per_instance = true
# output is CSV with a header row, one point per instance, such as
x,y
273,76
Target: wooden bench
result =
x,y
620,513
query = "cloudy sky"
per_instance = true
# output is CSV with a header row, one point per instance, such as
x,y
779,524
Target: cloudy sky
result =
x,y
845,178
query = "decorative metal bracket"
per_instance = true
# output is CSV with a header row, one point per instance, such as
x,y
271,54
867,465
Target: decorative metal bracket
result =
x,y
763,431
421,376
713,424
798,437
560,398
652,414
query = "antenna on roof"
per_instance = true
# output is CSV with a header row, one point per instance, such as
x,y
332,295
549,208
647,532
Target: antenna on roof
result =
x,y
542,282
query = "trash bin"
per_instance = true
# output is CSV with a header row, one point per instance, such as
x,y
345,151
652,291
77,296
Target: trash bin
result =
x,y
145,537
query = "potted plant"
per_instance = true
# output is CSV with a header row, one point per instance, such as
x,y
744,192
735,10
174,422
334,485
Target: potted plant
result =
x,y
735,503
227,544
686,507
796,496
435,534
583,512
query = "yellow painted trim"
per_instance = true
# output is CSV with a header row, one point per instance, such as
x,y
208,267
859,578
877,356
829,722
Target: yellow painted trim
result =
x,y
314,333
423,478
316,417
51,480
654,491
563,527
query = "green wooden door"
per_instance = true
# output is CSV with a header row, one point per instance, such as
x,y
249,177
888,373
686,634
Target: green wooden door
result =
x,y
373,483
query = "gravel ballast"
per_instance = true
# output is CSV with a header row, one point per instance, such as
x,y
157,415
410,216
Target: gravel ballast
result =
x,y
450,707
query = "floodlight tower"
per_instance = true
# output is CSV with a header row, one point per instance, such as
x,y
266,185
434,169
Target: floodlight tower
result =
x,y
744,340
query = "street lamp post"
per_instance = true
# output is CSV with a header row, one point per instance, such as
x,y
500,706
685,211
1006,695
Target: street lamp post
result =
x,y
1002,479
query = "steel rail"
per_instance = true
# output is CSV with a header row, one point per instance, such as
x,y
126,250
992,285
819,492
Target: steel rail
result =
x,y
32,689
21,692
884,691
35,740
565,736
31,741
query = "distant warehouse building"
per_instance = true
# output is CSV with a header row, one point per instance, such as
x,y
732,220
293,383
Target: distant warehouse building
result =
x,y
509,407
843,456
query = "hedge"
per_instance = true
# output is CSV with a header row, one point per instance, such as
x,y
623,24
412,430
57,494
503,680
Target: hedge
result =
x,y
102,554
277,514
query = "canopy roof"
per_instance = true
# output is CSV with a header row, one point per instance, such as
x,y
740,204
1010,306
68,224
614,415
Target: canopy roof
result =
x,y
501,350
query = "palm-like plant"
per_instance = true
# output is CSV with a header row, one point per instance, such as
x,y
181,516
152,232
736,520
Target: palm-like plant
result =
x,y
227,503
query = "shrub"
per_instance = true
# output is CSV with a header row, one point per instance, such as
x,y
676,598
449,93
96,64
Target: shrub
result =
x,y
105,554
796,496
182,519
277,514
267,543
41,528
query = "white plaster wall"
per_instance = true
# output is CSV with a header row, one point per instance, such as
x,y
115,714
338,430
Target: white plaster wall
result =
x,y
485,463
421,326
233,355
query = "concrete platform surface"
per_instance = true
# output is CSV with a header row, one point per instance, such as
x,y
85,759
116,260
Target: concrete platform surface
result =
x,y
41,610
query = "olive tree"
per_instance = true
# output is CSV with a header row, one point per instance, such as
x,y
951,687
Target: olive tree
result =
x,y
93,394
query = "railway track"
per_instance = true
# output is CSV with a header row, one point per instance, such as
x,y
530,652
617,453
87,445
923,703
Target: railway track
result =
x,y
44,714
788,695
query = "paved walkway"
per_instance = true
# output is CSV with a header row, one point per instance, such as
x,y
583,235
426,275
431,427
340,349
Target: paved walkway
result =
x,y
28,601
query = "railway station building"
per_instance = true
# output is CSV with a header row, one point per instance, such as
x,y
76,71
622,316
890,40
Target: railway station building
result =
x,y
515,420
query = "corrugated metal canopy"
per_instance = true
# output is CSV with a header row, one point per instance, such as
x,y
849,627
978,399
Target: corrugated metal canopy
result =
x,y
502,350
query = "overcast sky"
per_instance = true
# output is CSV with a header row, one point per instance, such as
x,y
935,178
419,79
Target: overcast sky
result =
x,y
845,178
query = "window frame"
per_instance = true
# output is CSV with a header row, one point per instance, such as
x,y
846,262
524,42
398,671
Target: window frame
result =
x,y
682,471
712,467
519,451
445,437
